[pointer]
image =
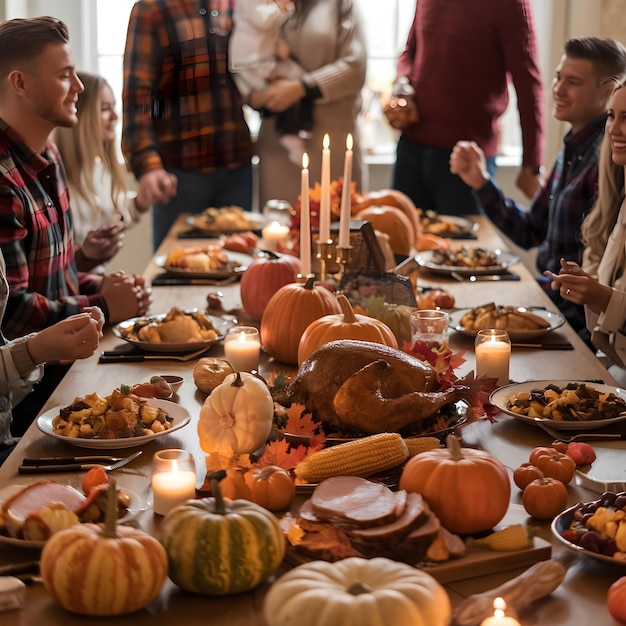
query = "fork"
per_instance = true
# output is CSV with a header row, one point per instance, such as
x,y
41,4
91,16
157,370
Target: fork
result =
x,y
76,467
559,436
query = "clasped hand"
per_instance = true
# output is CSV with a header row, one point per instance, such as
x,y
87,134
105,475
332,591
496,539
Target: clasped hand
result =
x,y
126,295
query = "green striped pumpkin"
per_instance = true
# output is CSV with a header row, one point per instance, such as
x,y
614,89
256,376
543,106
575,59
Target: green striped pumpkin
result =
x,y
218,546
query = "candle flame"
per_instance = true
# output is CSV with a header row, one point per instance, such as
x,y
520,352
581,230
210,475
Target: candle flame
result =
x,y
242,336
326,142
499,605
305,161
349,142
174,466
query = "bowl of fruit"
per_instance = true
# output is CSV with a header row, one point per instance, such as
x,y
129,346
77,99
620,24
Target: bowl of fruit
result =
x,y
596,529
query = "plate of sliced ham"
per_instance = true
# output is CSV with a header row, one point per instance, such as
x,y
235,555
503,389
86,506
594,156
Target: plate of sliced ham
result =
x,y
29,514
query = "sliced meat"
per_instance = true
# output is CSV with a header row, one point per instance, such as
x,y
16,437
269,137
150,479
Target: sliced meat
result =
x,y
356,499
414,514
456,546
36,496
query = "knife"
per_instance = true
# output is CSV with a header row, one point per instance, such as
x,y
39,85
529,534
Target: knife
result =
x,y
473,278
64,460
546,346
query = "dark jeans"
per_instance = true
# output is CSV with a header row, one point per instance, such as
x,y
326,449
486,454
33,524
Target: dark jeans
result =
x,y
423,173
198,191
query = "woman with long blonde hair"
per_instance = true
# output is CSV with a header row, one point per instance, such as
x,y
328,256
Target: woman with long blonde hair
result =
x,y
600,284
98,182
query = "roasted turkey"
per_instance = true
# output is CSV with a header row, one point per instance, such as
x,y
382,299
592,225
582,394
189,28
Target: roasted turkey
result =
x,y
367,387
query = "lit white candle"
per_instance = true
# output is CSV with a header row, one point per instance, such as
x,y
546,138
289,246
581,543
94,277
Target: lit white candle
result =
x,y
325,191
344,222
274,234
499,618
171,488
305,218
242,347
493,355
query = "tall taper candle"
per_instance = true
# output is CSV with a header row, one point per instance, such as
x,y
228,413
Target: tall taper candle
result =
x,y
324,234
305,219
344,223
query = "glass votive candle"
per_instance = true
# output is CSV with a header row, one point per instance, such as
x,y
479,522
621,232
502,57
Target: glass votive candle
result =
x,y
493,354
242,347
431,327
173,479
274,235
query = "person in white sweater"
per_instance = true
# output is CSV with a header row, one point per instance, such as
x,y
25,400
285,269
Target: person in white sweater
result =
x,y
600,284
327,39
22,359
102,207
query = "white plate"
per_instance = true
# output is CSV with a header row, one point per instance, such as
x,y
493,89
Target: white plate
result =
x,y
562,522
121,330
501,395
136,506
555,320
504,260
256,221
180,417
461,226
237,264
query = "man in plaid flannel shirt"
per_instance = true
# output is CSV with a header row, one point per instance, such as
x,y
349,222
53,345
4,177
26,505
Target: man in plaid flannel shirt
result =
x,y
583,83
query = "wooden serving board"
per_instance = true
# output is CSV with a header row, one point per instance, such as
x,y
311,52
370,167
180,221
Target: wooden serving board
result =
x,y
477,561
482,562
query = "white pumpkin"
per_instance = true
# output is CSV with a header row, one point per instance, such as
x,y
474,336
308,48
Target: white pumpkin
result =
x,y
237,417
357,592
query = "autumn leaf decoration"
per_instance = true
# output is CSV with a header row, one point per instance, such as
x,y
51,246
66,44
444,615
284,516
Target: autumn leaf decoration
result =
x,y
299,422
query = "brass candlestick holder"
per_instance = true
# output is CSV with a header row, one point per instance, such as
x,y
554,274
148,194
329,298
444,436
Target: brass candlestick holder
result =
x,y
344,256
323,255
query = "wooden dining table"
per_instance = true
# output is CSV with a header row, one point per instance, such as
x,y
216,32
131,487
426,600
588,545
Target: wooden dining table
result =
x,y
580,599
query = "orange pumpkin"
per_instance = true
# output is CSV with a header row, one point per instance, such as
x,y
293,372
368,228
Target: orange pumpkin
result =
x,y
271,487
389,197
264,277
467,489
544,498
288,313
393,222
554,464
346,325
525,474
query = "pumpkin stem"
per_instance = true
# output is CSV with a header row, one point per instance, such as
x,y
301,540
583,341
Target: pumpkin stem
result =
x,y
216,477
110,517
270,254
357,588
454,448
310,281
346,308
237,382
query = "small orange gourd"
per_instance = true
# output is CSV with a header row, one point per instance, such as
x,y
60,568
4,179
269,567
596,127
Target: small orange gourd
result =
x,y
344,325
288,313
467,489
271,487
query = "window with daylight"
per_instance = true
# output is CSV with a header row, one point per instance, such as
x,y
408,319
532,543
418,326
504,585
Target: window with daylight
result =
x,y
387,24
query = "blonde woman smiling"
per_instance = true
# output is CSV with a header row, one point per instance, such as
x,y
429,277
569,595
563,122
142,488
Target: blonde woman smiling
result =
x,y
99,196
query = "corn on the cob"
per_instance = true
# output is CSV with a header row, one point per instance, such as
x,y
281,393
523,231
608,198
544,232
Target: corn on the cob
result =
x,y
416,445
361,457
515,537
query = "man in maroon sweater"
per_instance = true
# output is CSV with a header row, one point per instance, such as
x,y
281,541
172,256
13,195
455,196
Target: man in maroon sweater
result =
x,y
458,57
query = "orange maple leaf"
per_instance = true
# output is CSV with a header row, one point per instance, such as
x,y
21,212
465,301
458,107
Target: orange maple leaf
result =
x,y
282,454
300,421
